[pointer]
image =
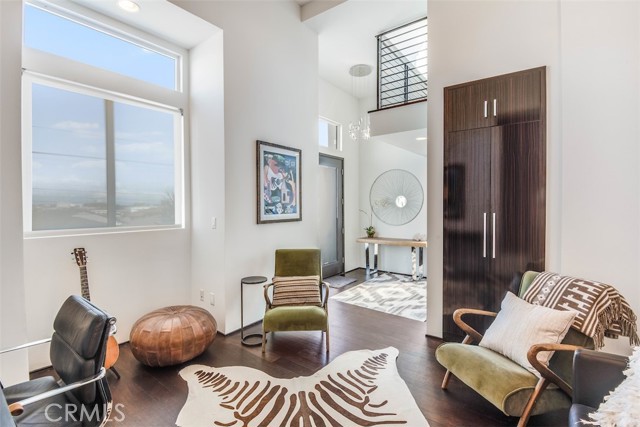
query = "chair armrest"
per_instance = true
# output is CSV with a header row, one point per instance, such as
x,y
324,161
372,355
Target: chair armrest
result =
x,y
545,372
324,298
266,295
17,408
26,345
472,334
595,374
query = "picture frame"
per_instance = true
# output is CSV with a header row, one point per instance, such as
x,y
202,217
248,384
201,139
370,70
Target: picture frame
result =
x,y
279,183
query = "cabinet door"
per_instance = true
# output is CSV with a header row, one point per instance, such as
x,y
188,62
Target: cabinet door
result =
x,y
510,98
467,107
466,213
517,238
519,97
457,111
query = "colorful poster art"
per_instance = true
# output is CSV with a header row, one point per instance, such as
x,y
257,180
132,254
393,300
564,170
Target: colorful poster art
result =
x,y
279,196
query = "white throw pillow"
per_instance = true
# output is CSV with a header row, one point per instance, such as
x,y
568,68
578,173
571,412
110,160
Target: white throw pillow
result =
x,y
519,325
620,408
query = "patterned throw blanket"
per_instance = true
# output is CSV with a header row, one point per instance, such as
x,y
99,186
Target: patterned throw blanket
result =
x,y
601,310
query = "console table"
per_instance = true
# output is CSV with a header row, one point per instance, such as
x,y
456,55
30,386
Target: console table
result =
x,y
416,264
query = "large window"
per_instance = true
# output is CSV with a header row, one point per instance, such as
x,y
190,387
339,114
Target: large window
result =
x,y
93,157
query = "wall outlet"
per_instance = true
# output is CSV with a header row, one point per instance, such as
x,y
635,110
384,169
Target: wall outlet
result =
x,y
212,299
202,295
214,222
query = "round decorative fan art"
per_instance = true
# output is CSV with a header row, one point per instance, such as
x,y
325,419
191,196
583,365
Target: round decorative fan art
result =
x,y
396,197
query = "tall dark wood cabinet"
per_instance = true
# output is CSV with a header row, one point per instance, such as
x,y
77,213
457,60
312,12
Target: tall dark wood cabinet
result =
x,y
494,189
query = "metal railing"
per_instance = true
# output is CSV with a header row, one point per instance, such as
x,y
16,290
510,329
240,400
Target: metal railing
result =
x,y
402,64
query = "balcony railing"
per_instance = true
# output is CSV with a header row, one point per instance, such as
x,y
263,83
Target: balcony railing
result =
x,y
402,64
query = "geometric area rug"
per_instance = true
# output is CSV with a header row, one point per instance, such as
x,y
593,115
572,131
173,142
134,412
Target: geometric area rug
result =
x,y
358,388
390,293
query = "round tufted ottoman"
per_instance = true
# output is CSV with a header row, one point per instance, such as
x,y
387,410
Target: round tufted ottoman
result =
x,y
172,335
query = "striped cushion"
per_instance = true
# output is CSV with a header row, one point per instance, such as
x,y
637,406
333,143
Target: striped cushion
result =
x,y
296,290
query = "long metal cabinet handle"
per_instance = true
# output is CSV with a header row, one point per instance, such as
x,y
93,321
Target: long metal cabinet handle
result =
x,y
495,107
493,229
486,109
484,238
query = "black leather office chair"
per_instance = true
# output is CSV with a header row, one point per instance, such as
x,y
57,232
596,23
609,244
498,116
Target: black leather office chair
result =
x,y
81,397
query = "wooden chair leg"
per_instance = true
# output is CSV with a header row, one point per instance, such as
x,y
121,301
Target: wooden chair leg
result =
x,y
445,380
540,387
447,375
264,340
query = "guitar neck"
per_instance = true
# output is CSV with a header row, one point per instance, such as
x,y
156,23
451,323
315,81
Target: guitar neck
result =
x,y
84,283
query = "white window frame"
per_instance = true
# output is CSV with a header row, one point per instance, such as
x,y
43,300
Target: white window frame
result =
x,y
338,125
66,74
116,29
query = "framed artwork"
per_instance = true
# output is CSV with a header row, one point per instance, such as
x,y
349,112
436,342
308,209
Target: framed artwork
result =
x,y
279,187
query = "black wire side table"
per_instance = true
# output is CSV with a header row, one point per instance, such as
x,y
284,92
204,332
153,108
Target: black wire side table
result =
x,y
251,280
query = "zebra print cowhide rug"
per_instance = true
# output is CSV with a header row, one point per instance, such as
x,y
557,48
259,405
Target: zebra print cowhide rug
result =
x,y
358,388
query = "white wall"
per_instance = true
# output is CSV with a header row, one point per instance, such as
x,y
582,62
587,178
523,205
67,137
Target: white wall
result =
x,y
271,94
13,330
130,274
339,106
591,51
600,145
402,119
208,176
377,157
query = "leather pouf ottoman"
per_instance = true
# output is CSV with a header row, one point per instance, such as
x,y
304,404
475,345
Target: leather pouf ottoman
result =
x,y
172,335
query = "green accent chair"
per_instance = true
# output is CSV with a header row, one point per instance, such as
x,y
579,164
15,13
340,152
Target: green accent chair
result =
x,y
297,262
507,385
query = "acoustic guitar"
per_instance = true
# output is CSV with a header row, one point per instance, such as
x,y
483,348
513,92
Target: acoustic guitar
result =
x,y
113,350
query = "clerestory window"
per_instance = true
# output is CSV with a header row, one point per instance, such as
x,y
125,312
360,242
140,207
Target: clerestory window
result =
x,y
329,134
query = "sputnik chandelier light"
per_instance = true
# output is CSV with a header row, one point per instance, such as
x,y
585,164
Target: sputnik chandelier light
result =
x,y
359,131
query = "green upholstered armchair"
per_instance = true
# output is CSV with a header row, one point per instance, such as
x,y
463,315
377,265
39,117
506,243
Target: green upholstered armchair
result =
x,y
511,388
297,262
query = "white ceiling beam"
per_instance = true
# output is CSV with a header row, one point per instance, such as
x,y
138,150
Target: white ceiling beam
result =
x,y
316,7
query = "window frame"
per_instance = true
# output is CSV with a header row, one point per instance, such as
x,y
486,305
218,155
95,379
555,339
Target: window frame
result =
x,y
338,125
111,27
41,67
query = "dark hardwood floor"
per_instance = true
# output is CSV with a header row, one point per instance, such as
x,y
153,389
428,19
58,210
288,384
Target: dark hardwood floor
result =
x,y
153,397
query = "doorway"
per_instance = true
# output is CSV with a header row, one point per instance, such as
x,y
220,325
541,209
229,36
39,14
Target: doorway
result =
x,y
331,214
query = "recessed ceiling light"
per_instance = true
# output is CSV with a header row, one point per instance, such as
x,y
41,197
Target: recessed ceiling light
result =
x,y
128,5
421,138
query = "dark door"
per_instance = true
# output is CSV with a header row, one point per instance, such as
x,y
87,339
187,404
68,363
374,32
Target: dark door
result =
x,y
467,211
331,214
517,204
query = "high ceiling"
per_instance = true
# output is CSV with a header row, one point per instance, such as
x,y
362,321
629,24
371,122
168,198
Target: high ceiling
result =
x,y
347,36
